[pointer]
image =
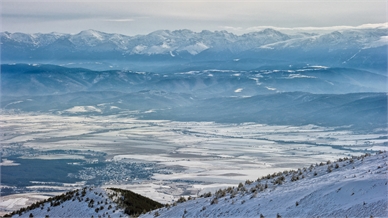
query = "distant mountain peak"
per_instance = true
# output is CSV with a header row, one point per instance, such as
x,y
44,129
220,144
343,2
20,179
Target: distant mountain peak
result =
x,y
269,30
183,31
92,33
161,32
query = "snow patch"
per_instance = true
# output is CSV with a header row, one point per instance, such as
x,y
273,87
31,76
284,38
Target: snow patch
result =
x,y
139,49
196,48
271,89
319,67
11,203
6,162
381,42
83,109
293,76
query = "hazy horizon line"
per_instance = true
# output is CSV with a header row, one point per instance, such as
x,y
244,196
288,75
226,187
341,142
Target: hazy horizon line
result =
x,y
234,30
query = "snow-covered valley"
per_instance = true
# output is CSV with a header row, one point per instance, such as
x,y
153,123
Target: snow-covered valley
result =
x,y
347,187
162,160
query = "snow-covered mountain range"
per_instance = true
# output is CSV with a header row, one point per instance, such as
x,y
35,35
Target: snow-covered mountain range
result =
x,y
346,47
352,187
180,41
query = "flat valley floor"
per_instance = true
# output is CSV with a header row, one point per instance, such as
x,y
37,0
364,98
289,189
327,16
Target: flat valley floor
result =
x,y
46,154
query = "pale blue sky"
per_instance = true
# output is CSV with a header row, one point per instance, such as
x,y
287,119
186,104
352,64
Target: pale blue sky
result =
x,y
142,17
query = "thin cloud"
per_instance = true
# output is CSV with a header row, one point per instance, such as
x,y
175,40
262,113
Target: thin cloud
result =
x,y
141,17
119,20
331,28
231,28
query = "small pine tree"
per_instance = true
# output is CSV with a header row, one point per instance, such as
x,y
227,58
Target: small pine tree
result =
x,y
181,199
209,194
248,182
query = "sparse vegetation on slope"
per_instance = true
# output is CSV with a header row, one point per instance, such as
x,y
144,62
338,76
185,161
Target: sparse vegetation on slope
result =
x,y
354,186
133,204
90,202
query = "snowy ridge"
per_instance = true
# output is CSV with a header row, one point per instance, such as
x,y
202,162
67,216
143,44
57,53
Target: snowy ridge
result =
x,y
355,187
359,48
178,41
89,202
346,39
75,203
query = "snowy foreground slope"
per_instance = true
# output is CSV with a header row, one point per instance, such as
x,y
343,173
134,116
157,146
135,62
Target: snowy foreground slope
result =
x,y
353,187
357,188
90,202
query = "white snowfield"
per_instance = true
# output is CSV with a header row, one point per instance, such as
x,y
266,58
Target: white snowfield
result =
x,y
80,206
357,189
